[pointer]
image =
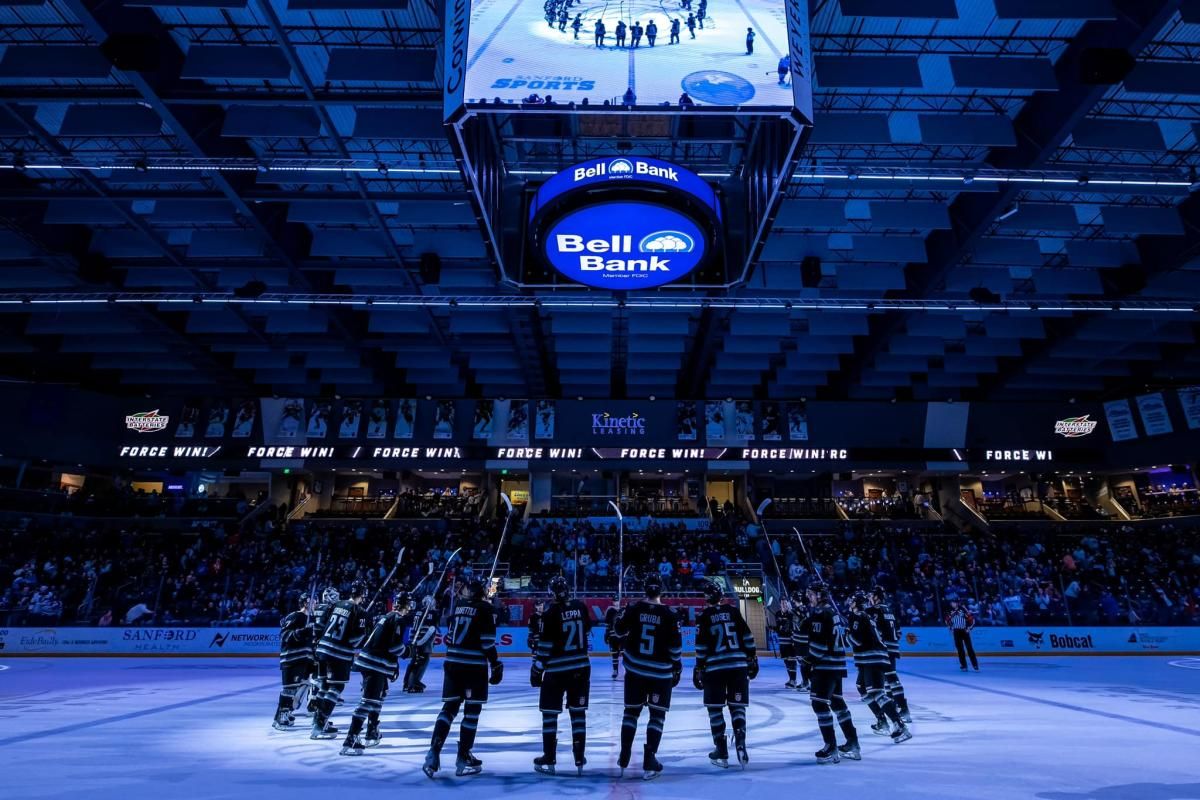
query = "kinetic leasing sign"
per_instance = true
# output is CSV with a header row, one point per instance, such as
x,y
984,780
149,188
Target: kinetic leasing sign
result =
x,y
625,223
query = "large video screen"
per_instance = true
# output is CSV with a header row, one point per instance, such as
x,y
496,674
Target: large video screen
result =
x,y
723,52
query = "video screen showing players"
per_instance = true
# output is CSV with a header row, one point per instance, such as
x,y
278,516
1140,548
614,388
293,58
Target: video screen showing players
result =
x,y
629,52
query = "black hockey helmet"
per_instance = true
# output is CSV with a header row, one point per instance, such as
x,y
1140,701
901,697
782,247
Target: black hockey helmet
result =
x,y
653,587
859,601
798,599
401,601
879,594
358,590
330,595
713,593
302,600
560,588
473,588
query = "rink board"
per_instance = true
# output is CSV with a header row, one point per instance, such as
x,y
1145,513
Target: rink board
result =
x,y
185,641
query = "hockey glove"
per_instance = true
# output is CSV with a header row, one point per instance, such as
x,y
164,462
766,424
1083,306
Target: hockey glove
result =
x,y
677,673
406,652
752,667
535,674
497,672
698,678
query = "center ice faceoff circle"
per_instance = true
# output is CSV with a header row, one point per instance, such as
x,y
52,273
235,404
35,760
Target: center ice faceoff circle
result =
x,y
718,87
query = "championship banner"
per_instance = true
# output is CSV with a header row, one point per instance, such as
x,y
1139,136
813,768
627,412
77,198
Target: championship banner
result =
x,y
1153,411
1189,398
1120,420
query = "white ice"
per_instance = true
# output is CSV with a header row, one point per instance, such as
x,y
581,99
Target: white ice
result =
x,y
1051,728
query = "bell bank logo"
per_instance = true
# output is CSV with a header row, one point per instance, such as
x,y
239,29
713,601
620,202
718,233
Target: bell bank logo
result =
x,y
605,424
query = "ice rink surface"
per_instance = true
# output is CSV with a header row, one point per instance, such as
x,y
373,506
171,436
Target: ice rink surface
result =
x,y
1053,728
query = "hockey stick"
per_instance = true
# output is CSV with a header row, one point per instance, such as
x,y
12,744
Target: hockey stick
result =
x,y
758,512
425,611
312,585
813,568
387,580
504,532
620,549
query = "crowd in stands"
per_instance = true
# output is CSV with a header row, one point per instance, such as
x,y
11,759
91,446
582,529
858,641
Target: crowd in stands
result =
x,y
249,574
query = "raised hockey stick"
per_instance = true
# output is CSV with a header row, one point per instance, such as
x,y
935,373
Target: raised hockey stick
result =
x,y
813,568
491,589
387,580
758,512
620,549
425,611
312,585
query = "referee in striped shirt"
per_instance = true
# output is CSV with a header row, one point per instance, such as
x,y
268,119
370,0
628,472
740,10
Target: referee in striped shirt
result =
x,y
961,622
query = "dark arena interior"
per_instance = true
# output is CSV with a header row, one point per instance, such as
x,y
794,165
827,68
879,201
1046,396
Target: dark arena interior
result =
x,y
633,399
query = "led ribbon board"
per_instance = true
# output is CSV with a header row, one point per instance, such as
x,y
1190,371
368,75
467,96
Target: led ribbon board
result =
x,y
625,223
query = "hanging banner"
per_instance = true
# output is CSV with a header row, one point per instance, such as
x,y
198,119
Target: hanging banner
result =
x,y
543,426
291,419
743,420
443,420
218,417
1189,398
485,417
406,419
188,420
1153,409
319,413
797,416
714,420
771,423
1120,420
377,420
351,419
518,421
687,423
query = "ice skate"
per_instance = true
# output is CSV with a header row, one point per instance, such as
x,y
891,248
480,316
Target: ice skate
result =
x,y
354,747
905,716
373,737
282,723
739,747
901,734
323,732
467,765
851,751
651,768
580,762
719,757
433,763
882,728
544,765
623,760
828,755
791,684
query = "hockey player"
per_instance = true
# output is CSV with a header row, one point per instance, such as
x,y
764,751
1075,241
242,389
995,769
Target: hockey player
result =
x,y
562,669
650,637
318,620
379,663
726,662
651,32
826,655
785,629
889,630
674,31
636,33
346,629
470,650
610,634
600,32
421,640
620,33
871,658
295,661
534,628
800,612
576,26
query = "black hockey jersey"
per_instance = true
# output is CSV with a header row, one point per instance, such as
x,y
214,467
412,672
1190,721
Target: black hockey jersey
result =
x,y
346,629
318,620
610,621
563,646
800,632
472,637
826,652
785,625
381,651
650,637
864,638
888,627
723,639
295,638
535,630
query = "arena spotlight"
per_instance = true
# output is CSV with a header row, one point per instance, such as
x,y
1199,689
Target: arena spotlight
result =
x,y
1009,212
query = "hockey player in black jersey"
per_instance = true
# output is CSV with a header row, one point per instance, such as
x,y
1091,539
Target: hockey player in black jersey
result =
x,y
379,663
871,658
610,634
824,630
649,633
562,669
346,629
785,629
534,628
889,630
726,662
295,661
800,612
421,640
470,651
318,620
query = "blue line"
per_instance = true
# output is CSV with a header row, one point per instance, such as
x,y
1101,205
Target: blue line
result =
x,y
1059,704
492,36
25,737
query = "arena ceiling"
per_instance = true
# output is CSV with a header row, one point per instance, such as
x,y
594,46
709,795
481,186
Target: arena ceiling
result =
x,y
179,150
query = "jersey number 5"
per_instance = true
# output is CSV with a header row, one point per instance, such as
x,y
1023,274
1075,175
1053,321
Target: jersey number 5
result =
x,y
646,646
